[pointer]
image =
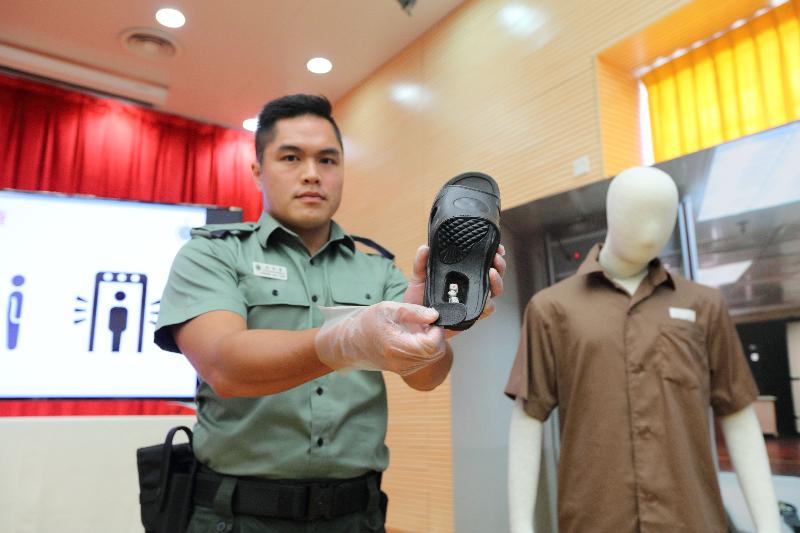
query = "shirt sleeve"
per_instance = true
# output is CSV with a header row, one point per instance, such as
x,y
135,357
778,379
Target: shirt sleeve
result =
x,y
203,278
533,375
732,385
396,284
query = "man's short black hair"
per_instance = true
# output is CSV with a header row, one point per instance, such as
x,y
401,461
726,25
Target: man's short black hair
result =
x,y
293,105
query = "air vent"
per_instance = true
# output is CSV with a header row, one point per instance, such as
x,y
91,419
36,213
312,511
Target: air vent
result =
x,y
149,43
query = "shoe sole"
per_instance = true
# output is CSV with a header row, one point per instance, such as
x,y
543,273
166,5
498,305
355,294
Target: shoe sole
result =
x,y
461,250
459,246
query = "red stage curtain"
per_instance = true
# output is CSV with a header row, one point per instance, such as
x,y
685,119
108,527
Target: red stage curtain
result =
x,y
56,140
52,139
92,408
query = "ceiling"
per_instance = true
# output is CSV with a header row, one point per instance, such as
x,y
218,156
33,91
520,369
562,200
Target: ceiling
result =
x,y
231,57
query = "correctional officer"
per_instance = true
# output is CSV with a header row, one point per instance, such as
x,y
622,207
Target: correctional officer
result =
x,y
286,444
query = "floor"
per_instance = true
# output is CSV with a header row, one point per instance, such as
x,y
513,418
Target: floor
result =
x,y
787,489
783,452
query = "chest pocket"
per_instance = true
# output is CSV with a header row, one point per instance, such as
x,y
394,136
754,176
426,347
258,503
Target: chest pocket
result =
x,y
681,355
352,291
275,304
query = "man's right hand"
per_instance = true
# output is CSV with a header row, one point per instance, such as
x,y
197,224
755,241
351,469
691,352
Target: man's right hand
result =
x,y
387,336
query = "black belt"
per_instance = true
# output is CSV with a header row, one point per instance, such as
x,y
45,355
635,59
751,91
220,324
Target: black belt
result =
x,y
293,500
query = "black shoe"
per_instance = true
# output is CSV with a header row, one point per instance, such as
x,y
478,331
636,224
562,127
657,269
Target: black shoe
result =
x,y
789,514
463,235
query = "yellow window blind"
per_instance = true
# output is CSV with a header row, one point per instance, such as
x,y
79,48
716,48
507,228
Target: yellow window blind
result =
x,y
745,81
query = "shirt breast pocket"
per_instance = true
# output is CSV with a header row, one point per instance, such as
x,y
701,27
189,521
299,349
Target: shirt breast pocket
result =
x,y
275,304
350,291
681,355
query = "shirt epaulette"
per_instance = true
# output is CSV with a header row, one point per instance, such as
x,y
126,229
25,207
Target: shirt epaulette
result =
x,y
217,231
374,245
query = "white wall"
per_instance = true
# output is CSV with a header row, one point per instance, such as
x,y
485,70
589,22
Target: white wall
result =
x,y
481,412
75,474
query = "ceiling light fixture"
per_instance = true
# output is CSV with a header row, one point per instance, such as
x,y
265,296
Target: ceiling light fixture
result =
x,y
151,43
250,124
171,18
678,53
738,24
319,65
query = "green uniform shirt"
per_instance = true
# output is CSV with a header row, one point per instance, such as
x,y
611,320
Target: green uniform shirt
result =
x,y
331,427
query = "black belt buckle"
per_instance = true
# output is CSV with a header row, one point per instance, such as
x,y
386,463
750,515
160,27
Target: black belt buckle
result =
x,y
320,501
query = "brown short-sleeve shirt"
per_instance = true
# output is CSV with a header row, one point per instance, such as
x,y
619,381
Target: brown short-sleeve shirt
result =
x,y
633,378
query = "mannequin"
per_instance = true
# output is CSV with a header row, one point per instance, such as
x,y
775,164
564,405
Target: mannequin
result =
x,y
641,211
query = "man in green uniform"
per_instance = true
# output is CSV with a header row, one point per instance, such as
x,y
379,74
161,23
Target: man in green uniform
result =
x,y
285,443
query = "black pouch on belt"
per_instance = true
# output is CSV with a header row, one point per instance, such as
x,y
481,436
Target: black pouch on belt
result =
x,y
166,482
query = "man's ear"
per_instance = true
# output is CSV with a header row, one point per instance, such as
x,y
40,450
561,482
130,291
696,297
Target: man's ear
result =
x,y
255,169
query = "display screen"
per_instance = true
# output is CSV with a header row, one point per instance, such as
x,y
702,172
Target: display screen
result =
x,y
80,285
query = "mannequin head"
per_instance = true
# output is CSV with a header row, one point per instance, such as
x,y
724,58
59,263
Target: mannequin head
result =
x,y
641,208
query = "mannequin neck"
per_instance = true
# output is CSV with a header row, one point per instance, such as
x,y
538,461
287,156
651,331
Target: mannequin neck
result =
x,y
627,274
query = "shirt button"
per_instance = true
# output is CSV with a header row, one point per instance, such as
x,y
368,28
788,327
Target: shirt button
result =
x,y
314,298
319,391
320,441
643,431
274,292
637,369
312,262
369,297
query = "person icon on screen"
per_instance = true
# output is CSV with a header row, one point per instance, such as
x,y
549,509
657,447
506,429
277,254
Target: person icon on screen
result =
x,y
14,312
117,321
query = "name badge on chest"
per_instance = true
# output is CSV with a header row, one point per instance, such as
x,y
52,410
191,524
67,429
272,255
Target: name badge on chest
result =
x,y
680,313
265,270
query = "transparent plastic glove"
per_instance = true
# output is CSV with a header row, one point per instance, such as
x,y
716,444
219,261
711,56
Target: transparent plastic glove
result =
x,y
387,336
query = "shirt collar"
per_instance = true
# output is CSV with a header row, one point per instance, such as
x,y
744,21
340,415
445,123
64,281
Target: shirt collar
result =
x,y
656,273
267,226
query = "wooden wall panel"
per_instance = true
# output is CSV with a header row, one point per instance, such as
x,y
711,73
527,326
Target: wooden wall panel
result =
x,y
474,94
618,93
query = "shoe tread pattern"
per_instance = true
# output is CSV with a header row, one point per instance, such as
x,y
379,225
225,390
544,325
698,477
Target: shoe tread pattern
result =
x,y
457,236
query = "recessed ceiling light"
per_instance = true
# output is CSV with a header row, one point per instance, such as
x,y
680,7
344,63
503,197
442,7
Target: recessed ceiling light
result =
x,y
319,65
678,53
151,43
171,18
660,61
250,124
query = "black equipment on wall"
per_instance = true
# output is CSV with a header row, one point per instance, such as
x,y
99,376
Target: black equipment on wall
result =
x,y
764,345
